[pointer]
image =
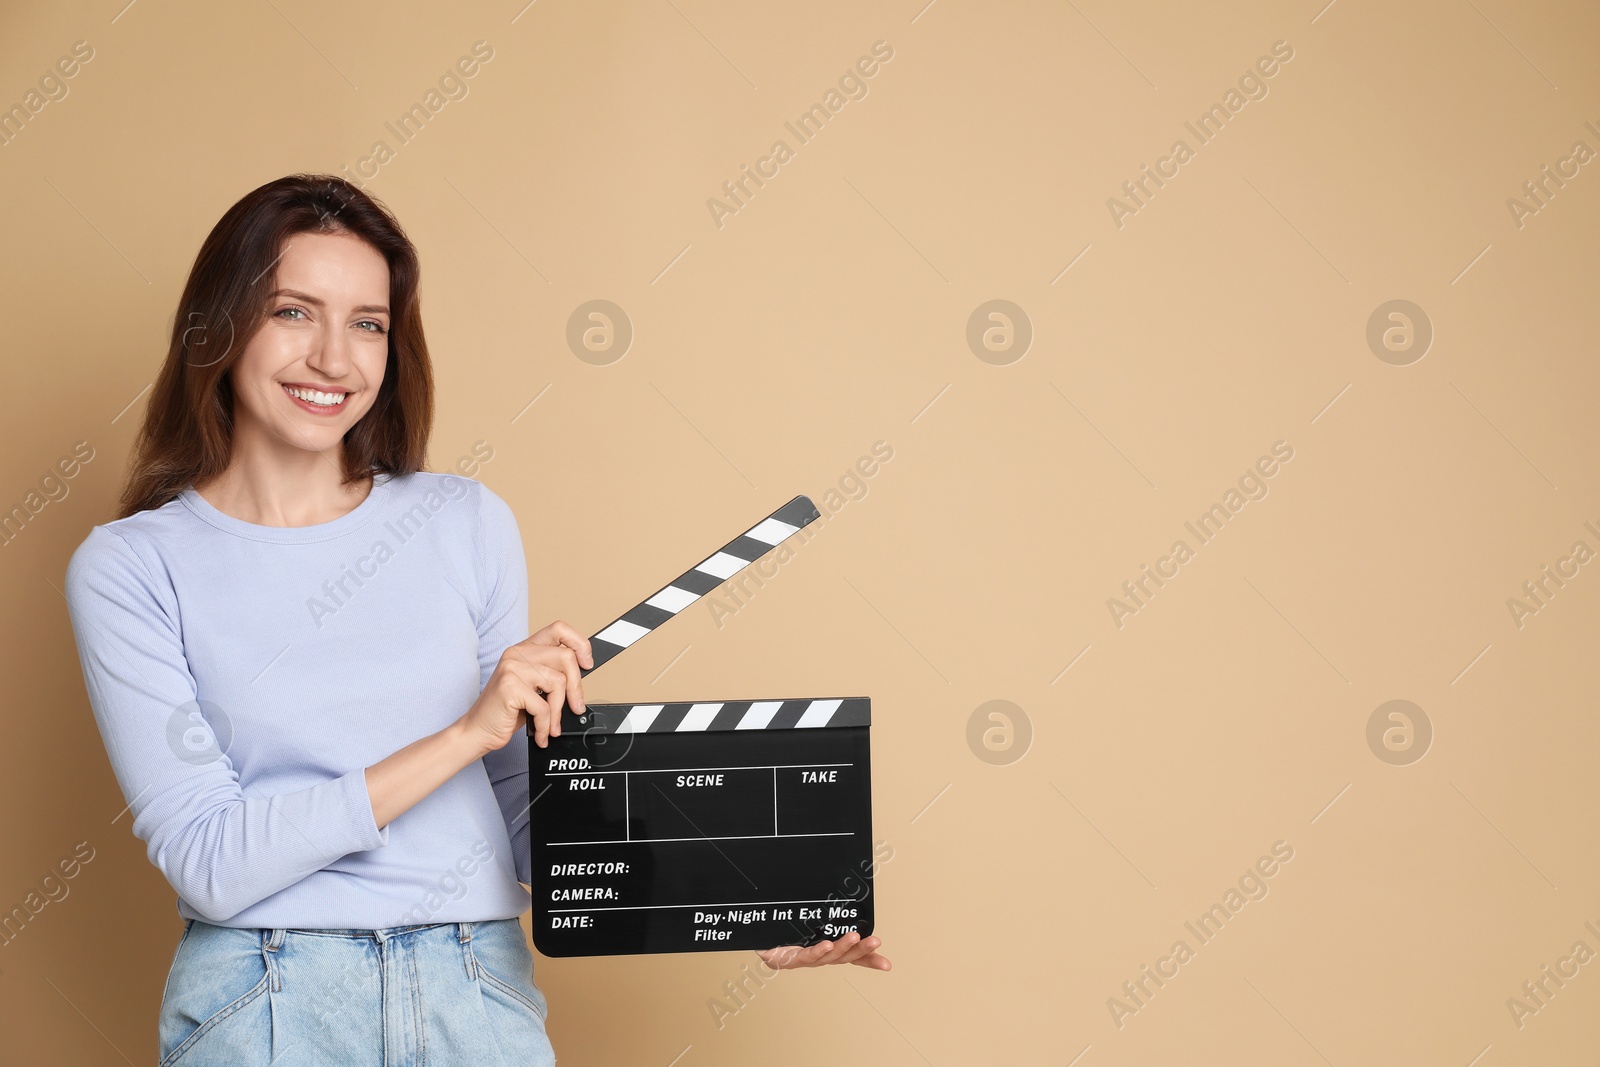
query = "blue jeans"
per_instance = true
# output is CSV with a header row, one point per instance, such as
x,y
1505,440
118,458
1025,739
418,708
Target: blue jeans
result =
x,y
437,994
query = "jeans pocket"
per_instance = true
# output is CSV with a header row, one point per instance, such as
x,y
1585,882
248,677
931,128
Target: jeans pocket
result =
x,y
216,973
498,957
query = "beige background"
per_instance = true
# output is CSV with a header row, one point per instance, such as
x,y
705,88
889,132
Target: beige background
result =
x,y
1229,313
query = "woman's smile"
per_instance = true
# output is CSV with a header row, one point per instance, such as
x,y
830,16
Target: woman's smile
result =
x,y
330,401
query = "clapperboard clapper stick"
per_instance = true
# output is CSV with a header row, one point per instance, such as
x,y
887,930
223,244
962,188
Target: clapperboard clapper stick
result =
x,y
702,825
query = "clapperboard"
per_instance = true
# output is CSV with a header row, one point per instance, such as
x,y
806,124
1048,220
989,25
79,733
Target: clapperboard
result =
x,y
702,825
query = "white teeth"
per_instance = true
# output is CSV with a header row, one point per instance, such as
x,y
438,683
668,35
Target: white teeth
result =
x,y
316,396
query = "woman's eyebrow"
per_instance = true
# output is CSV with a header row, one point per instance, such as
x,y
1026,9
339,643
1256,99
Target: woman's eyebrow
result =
x,y
381,309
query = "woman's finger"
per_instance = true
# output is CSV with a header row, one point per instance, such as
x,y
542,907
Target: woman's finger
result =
x,y
839,949
559,633
817,954
549,689
554,684
568,665
856,950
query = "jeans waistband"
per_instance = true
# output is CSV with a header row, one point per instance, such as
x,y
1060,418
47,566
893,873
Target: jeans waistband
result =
x,y
273,937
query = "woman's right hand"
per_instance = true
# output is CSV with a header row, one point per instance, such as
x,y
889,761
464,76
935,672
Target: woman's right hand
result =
x,y
531,682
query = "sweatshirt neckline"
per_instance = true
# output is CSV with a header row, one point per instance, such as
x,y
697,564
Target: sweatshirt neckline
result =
x,y
350,521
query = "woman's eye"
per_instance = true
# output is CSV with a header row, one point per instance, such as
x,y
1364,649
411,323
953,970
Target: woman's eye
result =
x,y
376,327
286,311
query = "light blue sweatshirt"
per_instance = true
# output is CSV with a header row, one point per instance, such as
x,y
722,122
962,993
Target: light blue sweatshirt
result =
x,y
244,676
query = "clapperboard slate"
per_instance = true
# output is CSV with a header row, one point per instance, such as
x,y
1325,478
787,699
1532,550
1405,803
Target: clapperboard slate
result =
x,y
702,825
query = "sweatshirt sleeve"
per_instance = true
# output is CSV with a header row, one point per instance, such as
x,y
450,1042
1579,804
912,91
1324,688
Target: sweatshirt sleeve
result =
x,y
220,850
503,578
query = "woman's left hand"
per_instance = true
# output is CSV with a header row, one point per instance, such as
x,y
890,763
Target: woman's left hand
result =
x,y
851,948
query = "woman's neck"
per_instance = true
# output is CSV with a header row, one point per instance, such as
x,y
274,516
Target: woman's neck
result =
x,y
284,486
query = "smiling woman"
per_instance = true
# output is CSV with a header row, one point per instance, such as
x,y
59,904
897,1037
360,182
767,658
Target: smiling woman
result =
x,y
361,759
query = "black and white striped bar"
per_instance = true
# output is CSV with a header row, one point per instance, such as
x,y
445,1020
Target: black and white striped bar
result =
x,y
700,579
698,716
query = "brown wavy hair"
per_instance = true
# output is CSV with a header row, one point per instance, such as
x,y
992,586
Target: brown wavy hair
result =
x,y
187,435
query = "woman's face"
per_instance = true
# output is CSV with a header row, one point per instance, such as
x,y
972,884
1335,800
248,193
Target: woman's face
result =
x,y
314,368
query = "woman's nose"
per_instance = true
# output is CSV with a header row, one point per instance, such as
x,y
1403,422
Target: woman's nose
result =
x,y
330,355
